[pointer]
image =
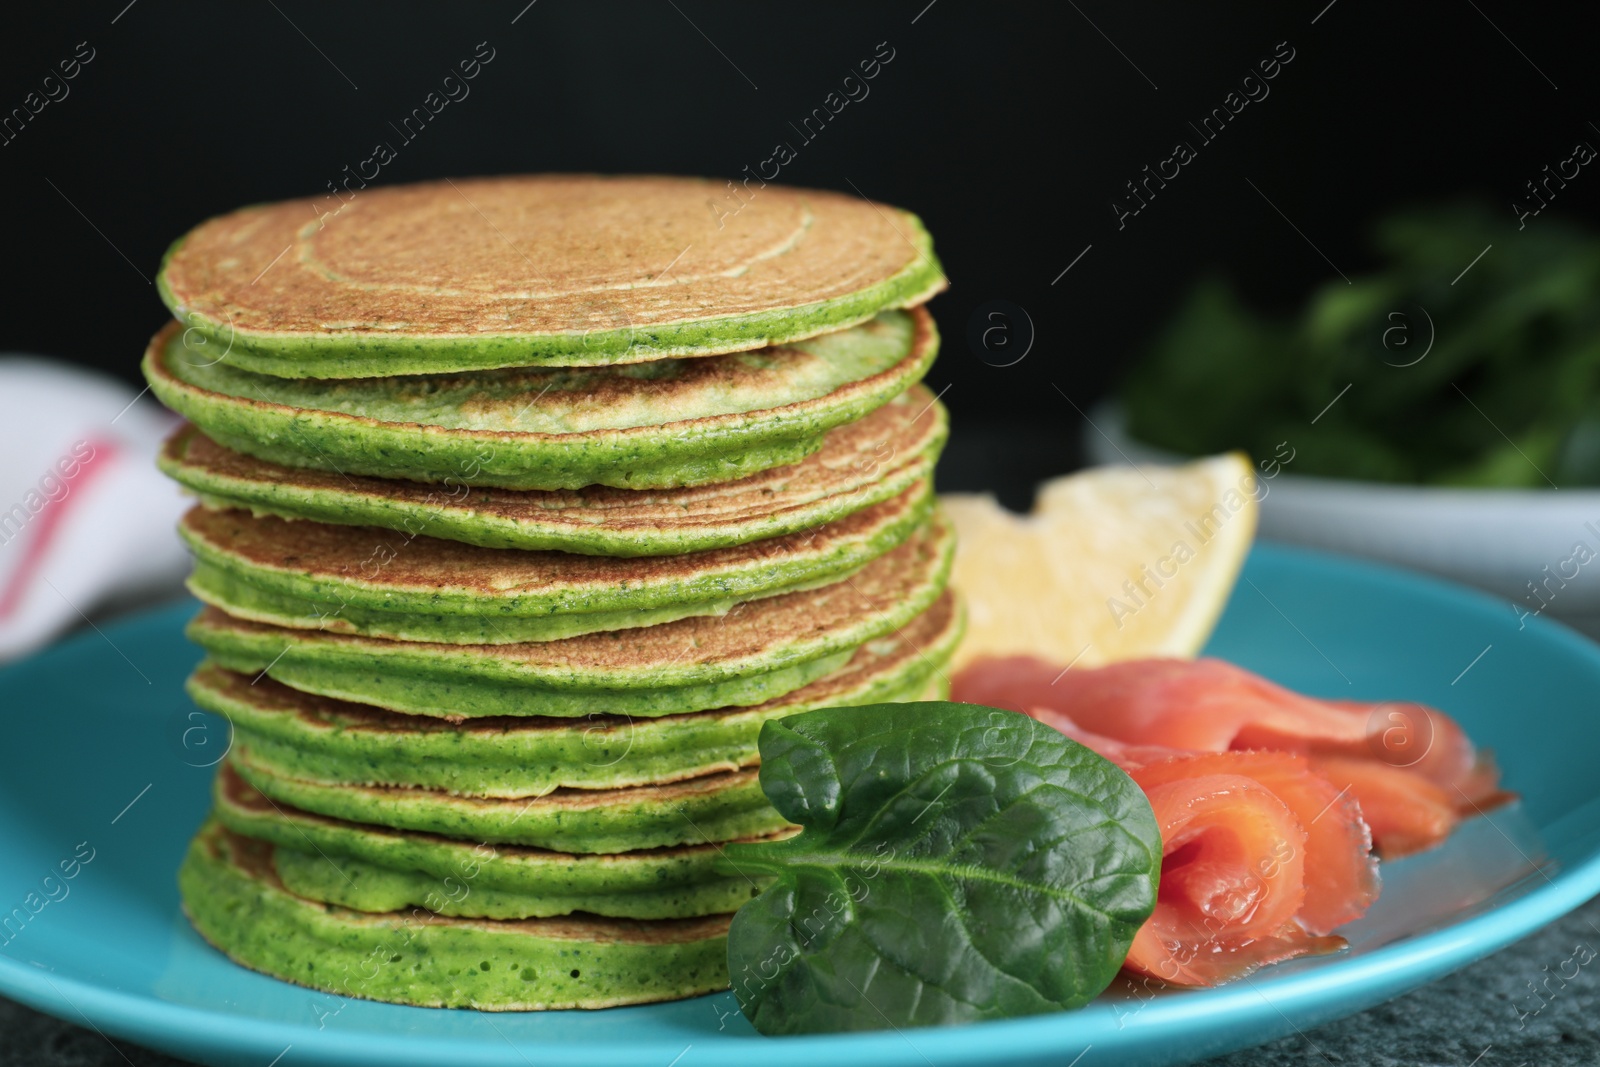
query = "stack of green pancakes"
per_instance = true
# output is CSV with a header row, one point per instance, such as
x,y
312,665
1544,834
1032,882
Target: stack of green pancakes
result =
x,y
523,503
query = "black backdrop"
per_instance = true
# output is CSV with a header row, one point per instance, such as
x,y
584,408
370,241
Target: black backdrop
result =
x,y
1010,128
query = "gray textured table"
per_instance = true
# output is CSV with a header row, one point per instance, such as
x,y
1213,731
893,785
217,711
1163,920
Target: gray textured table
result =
x,y
1470,1019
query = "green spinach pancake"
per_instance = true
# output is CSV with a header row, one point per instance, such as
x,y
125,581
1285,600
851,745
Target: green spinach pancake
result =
x,y
860,464
233,895
376,868
537,270
712,808
642,426
301,735
757,652
377,583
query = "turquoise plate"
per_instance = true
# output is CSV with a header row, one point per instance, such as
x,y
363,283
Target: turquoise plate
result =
x,y
103,757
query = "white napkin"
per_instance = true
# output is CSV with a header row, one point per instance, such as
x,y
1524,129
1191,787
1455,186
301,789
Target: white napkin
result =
x,y
86,520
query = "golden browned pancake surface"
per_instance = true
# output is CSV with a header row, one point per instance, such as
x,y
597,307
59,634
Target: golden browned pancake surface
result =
x,y
545,269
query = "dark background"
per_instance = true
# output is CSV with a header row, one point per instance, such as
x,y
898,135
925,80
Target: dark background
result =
x,y
1008,128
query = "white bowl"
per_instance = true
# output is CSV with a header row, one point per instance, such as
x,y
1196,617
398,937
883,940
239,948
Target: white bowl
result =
x,y
1538,548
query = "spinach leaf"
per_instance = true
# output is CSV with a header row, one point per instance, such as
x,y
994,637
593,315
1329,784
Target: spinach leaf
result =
x,y
956,863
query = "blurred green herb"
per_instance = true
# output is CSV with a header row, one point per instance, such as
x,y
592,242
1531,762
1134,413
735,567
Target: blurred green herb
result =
x,y
1507,394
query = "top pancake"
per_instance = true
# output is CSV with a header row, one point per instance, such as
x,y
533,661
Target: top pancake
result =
x,y
544,270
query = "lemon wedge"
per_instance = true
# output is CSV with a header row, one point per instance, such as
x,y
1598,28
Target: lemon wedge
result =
x,y
1114,563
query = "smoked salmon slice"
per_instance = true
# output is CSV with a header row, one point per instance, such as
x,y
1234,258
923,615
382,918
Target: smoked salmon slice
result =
x,y
1406,812
1262,858
1387,755
1233,878
1270,803
1341,875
